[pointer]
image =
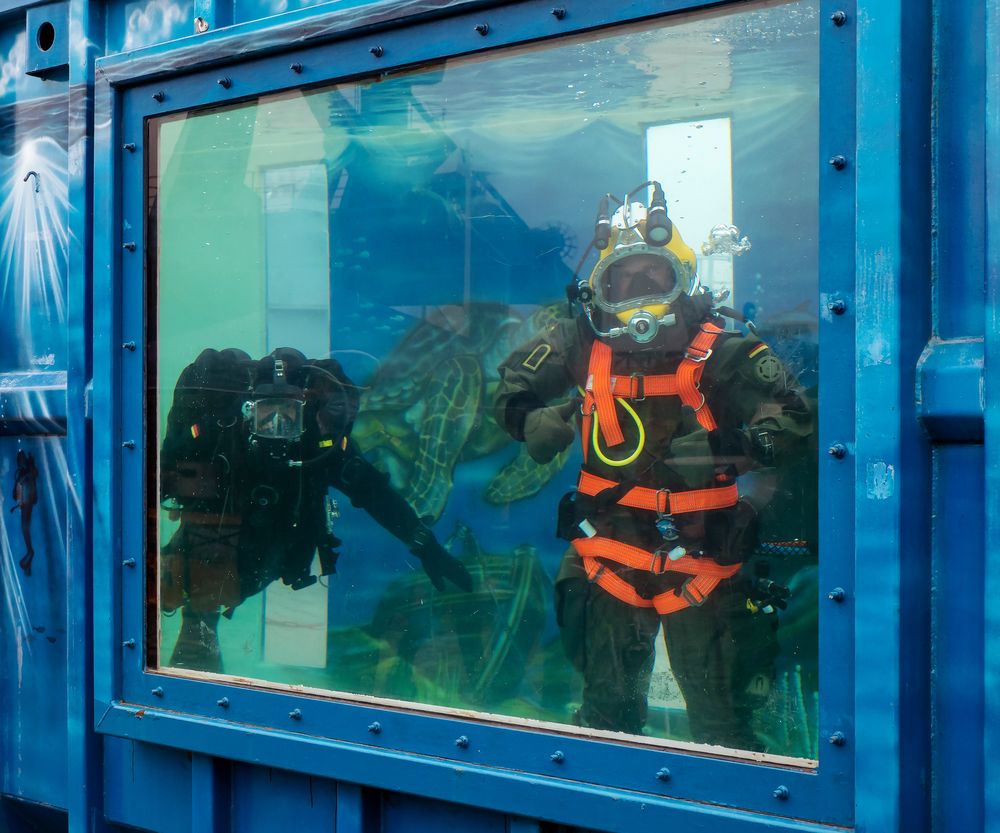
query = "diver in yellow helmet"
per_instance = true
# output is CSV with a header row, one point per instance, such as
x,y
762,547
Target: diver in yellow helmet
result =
x,y
644,276
675,407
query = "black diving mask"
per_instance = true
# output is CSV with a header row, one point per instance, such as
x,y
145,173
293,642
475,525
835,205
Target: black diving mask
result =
x,y
276,411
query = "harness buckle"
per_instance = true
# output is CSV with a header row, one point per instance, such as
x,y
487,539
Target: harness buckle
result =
x,y
638,385
588,398
665,512
685,593
664,558
698,359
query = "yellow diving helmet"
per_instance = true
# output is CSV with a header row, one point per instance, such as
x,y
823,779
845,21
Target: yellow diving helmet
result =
x,y
644,266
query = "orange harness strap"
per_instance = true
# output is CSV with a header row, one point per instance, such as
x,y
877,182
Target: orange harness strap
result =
x,y
705,574
664,603
599,387
601,390
638,387
663,501
692,367
602,387
652,562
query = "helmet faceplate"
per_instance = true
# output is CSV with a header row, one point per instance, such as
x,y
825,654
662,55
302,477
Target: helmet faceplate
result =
x,y
633,274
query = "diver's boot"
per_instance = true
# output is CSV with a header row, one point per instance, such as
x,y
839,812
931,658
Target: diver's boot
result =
x,y
197,646
25,562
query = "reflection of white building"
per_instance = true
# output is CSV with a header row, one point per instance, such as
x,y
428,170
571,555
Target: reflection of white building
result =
x,y
694,163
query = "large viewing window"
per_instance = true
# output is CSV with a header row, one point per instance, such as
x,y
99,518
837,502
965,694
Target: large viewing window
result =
x,y
420,435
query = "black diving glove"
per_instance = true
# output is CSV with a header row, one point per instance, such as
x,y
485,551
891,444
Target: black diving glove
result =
x,y
438,563
547,431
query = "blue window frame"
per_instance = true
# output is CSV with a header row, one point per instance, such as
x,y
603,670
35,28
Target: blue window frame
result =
x,y
395,748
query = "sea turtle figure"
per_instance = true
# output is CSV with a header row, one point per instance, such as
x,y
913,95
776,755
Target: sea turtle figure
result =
x,y
476,646
428,406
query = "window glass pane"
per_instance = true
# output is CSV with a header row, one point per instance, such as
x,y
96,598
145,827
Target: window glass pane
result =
x,y
375,408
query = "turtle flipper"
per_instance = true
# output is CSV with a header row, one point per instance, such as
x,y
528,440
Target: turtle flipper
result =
x,y
522,477
451,398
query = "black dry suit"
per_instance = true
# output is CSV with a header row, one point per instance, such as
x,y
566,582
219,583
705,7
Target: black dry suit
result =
x,y
254,508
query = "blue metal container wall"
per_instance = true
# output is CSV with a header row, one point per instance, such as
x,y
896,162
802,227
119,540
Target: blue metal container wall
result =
x,y
928,605
37,493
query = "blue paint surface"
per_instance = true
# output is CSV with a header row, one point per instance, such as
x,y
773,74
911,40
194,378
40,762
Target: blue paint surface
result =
x,y
36,494
909,261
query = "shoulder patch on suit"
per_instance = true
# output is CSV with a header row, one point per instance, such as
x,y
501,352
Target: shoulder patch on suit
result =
x,y
537,356
760,348
768,369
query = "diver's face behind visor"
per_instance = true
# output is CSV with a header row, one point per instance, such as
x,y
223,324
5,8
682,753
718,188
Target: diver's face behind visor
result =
x,y
278,418
636,281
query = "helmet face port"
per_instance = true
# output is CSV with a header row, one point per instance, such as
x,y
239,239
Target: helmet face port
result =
x,y
644,262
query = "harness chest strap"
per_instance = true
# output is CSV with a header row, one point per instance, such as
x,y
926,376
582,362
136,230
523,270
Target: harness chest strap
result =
x,y
602,387
652,562
663,501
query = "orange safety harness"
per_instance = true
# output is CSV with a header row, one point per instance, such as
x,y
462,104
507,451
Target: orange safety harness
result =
x,y
602,388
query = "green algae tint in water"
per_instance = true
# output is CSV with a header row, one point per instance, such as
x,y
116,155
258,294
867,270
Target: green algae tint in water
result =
x,y
408,235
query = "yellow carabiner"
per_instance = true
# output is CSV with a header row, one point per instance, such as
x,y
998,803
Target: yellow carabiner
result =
x,y
595,441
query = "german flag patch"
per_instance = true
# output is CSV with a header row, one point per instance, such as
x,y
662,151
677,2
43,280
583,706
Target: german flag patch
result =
x,y
760,348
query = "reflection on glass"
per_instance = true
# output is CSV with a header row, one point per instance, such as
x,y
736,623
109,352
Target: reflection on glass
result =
x,y
365,358
250,452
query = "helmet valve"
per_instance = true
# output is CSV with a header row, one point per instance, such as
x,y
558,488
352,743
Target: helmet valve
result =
x,y
643,326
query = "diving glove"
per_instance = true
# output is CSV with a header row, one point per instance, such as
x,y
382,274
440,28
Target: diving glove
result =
x,y
438,563
547,431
